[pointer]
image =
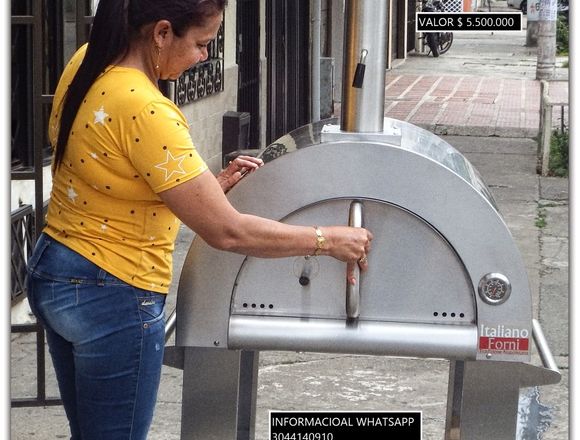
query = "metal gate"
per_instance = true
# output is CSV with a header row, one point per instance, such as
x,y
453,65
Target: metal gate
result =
x,y
248,60
40,32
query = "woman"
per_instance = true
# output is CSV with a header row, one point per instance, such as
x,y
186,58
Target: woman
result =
x,y
124,171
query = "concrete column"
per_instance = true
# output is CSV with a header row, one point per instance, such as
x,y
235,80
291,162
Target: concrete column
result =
x,y
546,66
336,45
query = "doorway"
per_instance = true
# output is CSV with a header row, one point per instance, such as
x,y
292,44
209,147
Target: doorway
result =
x,y
248,60
288,54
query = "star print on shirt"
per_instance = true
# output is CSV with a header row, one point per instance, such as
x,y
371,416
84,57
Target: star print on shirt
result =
x,y
72,195
172,165
100,116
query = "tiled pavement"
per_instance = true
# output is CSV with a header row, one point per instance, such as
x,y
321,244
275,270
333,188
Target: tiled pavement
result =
x,y
467,104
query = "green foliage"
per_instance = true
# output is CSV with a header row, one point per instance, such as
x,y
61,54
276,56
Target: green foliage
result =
x,y
562,36
541,218
559,153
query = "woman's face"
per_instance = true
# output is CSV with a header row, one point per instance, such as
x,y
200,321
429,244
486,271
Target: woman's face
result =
x,y
191,48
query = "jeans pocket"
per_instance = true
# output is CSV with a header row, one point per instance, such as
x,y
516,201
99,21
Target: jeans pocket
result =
x,y
151,306
42,244
32,280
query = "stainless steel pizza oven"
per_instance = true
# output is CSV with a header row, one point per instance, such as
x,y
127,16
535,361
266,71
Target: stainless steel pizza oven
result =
x,y
445,278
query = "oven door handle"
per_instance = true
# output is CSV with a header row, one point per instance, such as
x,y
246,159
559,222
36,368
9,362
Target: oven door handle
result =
x,y
355,219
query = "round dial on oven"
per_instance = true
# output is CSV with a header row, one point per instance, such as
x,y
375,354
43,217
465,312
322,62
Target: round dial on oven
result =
x,y
494,288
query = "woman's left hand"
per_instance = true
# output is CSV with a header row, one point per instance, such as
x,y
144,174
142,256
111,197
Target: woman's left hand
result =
x,y
237,169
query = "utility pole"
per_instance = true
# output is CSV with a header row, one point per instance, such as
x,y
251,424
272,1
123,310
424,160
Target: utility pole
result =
x,y
546,65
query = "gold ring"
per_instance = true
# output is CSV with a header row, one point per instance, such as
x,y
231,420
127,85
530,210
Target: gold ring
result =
x,y
363,259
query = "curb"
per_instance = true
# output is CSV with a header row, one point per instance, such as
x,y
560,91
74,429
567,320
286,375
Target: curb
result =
x,y
480,131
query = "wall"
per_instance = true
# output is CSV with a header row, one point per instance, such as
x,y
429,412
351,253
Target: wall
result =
x,y
205,119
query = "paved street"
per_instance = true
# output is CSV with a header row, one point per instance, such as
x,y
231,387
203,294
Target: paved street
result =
x,y
482,98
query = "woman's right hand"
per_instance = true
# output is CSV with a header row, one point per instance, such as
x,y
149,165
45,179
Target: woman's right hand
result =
x,y
346,243
201,204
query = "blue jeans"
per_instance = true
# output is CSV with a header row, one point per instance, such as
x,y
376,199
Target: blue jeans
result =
x,y
106,340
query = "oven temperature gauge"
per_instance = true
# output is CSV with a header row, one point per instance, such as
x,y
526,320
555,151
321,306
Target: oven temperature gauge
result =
x,y
494,288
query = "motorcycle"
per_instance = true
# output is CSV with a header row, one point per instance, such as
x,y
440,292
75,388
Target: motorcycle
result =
x,y
438,42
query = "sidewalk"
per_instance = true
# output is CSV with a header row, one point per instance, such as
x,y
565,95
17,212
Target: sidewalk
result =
x,y
481,98
484,86
465,105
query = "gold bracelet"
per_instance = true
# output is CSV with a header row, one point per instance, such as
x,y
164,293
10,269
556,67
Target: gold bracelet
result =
x,y
320,241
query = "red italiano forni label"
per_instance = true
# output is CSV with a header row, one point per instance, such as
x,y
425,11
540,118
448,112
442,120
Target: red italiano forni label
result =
x,y
492,344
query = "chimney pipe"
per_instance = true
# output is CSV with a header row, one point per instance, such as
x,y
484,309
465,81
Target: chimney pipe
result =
x,y
364,65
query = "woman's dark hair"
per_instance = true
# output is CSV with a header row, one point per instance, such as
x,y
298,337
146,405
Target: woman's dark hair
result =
x,y
115,23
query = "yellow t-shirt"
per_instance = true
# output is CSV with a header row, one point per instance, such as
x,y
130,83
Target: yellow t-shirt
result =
x,y
127,143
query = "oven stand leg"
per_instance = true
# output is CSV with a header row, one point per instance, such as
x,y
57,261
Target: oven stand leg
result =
x,y
247,394
482,401
219,394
